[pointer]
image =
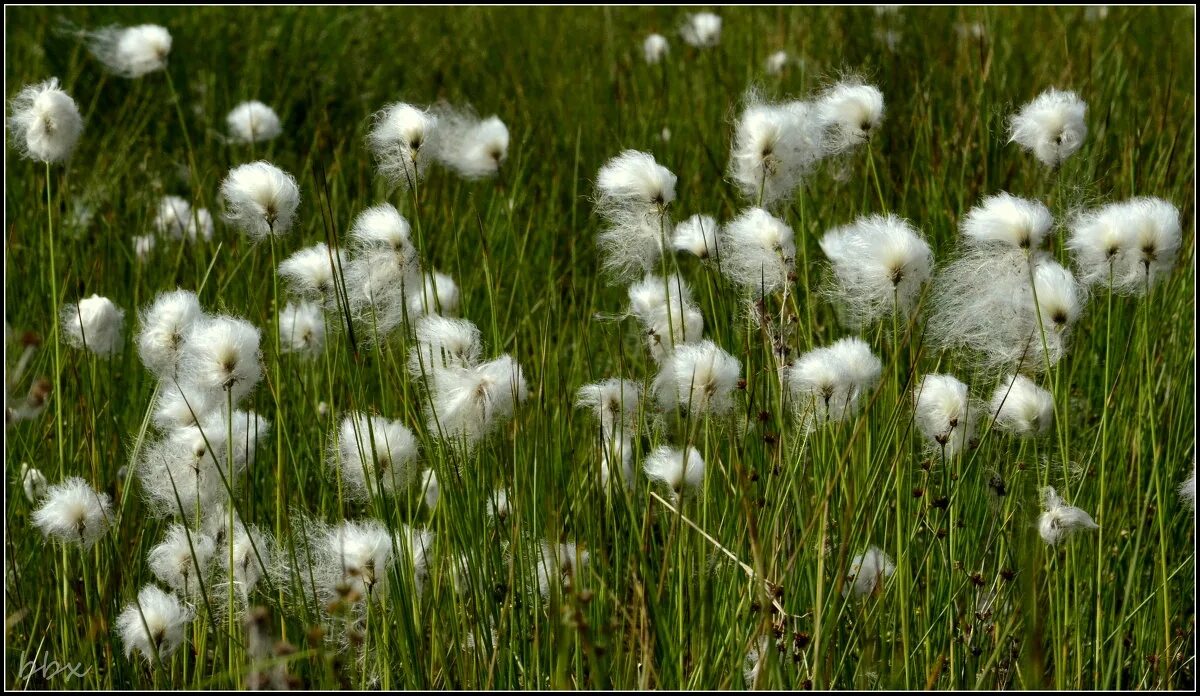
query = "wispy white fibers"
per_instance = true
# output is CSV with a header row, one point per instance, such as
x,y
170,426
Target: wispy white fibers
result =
x,y
438,294
984,300
72,512
758,252
756,659
1187,488
774,146
702,30
666,312
632,195
312,273
253,122
1131,244
373,456
616,460
697,236
382,227
867,572
614,402
776,62
699,378
260,199
302,329
401,138
430,488
165,325
945,413
1021,407
1004,222
95,323
249,550
183,558
155,625
473,148
131,51
44,122
879,265
559,564
828,384
444,343
33,482
199,225
172,217
143,246
849,112
682,472
1051,126
1059,520
222,353
467,402
655,48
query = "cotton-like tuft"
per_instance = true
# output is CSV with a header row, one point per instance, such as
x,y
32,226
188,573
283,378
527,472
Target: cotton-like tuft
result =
x,y
776,62
697,236
614,402
774,146
828,384
701,30
222,353
473,148
560,564
34,483
1131,245
655,48
302,329
260,199
44,122
868,571
131,51
253,122
402,140
682,472
879,265
72,512
95,323
616,460
165,325
444,343
1187,489
758,252
945,413
155,625
1059,520
174,214
632,194
1004,221
1051,126
182,560
849,113
699,378
437,295
374,456
467,402
1021,407
313,272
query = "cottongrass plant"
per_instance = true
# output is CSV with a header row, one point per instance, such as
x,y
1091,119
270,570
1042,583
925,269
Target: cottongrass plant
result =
x,y
1052,126
45,122
253,122
131,52
95,324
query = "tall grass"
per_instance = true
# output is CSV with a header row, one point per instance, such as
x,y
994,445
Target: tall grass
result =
x,y
977,601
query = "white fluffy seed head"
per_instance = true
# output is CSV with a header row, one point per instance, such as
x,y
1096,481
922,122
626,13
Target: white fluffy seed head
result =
x,y
1059,520
165,325
312,272
758,252
666,313
172,218
443,343
774,146
614,402
655,48
437,295
701,30
95,323
697,236
499,505
1060,298
776,62
466,403
868,571
253,122
473,148
155,625
71,512
1187,488
382,227
143,246
1155,238
828,384
402,139
880,263
1021,407
632,183
374,456
260,199
131,51
699,378
199,225
250,551
222,353
45,122
945,413
182,559
849,113
302,329
1051,126
680,471
616,460
33,482
1004,221
430,488
560,564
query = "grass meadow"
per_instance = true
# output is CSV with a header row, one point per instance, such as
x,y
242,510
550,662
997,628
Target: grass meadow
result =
x,y
752,569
